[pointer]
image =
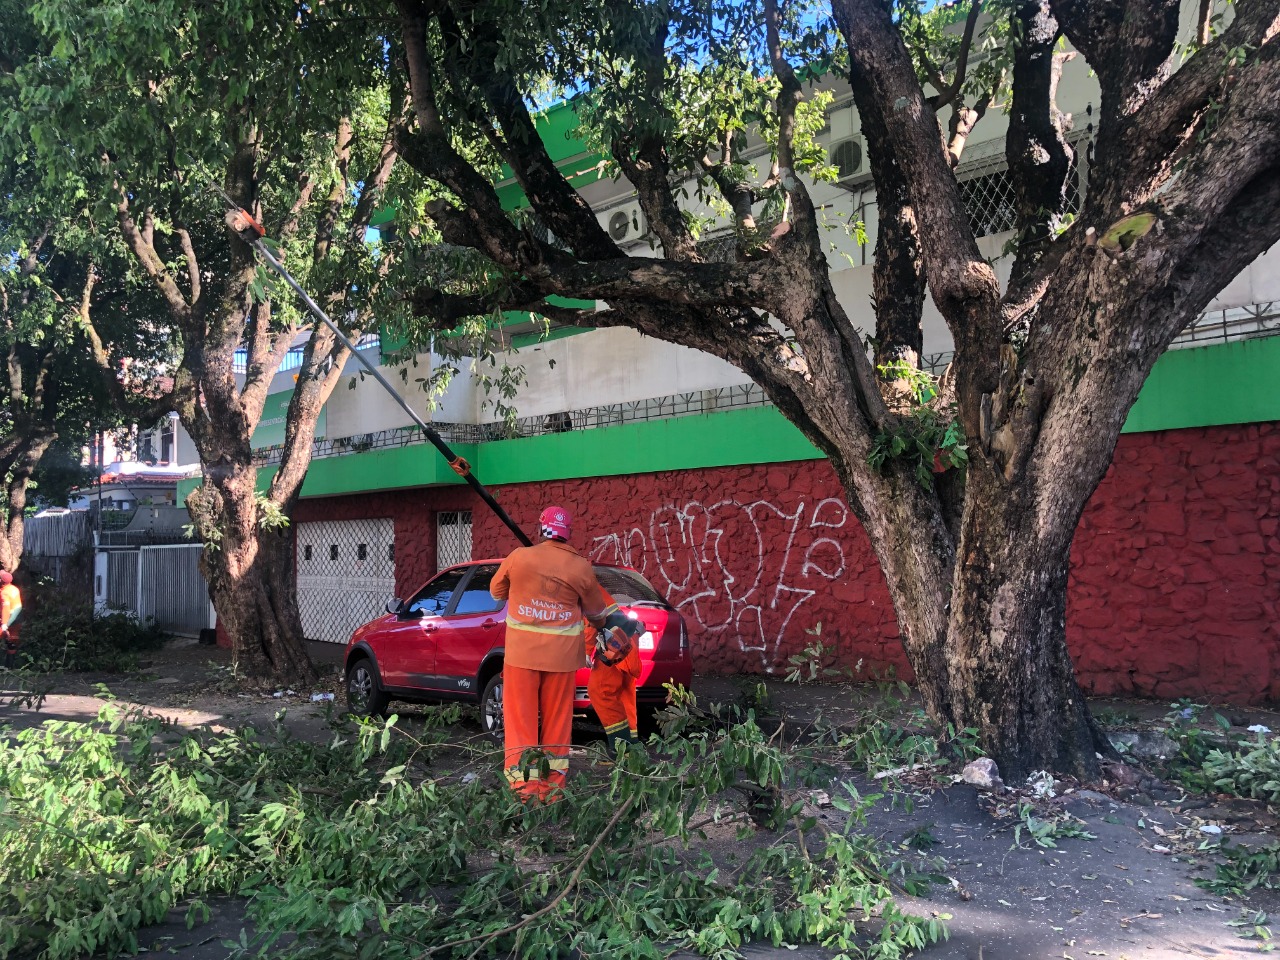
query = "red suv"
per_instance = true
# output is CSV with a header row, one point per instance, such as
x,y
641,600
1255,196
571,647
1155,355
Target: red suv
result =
x,y
446,643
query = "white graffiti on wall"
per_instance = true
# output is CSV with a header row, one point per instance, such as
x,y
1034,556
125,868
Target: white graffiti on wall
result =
x,y
734,569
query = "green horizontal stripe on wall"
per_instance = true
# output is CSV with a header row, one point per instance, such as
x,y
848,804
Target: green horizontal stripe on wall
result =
x,y
1208,386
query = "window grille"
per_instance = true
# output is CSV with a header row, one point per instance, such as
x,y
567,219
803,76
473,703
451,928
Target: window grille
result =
x,y
986,188
453,537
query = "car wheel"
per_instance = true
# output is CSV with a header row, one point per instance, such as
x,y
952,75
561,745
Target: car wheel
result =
x,y
365,696
491,707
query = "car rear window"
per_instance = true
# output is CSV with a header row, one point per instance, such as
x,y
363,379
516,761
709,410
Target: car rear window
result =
x,y
627,586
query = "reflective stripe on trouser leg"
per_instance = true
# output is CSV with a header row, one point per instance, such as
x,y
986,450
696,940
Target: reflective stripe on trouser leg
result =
x,y
556,700
520,728
618,733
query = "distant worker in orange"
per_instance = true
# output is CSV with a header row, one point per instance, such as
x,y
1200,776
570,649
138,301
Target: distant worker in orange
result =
x,y
550,590
616,667
10,607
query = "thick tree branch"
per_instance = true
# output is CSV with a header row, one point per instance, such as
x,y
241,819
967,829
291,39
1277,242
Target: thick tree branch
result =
x,y
560,207
150,262
1041,162
898,272
331,209
193,264
963,284
1185,110
964,118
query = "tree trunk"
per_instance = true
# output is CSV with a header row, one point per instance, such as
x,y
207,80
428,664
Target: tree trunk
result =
x,y
250,572
984,628
19,477
1009,670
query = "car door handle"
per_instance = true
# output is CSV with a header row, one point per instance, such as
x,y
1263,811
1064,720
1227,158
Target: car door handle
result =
x,y
489,623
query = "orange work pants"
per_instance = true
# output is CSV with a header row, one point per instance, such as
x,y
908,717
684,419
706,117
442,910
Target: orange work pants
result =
x,y
537,717
613,696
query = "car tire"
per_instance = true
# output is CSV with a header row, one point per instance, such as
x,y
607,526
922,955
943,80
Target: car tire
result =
x,y
365,696
491,707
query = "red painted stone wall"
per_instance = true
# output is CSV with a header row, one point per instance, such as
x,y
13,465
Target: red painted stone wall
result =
x,y
1175,587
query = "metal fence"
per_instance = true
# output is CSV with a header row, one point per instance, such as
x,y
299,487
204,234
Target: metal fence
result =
x,y
121,591
1218,326
50,543
172,590
1233,323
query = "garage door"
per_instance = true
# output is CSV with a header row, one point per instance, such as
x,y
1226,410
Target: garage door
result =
x,y
346,575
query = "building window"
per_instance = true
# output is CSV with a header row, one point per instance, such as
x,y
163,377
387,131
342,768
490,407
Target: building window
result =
x,y
362,551
333,551
453,537
306,553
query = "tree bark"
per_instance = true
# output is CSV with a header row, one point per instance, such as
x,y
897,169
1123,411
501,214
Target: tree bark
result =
x,y
250,573
19,477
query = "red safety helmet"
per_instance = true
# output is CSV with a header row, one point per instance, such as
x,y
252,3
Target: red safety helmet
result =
x,y
556,524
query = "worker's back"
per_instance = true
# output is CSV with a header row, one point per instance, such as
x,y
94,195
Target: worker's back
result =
x,y
549,589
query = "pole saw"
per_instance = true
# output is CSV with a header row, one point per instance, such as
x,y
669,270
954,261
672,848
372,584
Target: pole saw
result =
x,y
251,232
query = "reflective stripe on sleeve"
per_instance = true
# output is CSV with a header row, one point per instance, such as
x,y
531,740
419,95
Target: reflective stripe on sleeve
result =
x,y
610,609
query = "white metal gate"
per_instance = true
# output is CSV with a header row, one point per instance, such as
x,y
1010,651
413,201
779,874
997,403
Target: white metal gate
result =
x,y
122,579
453,537
346,575
171,589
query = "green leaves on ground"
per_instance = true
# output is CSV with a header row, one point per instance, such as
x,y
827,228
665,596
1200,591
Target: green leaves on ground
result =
x,y
363,848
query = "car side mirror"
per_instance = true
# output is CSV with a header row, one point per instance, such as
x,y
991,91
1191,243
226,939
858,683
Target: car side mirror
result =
x,y
394,606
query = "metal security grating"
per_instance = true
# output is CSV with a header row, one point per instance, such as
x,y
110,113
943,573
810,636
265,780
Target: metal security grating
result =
x,y
346,575
122,579
991,203
172,591
986,188
453,537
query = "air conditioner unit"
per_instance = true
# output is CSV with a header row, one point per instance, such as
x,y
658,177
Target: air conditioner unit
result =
x,y
625,224
848,157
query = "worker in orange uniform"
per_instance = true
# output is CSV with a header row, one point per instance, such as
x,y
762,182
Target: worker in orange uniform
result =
x,y
10,607
550,590
616,667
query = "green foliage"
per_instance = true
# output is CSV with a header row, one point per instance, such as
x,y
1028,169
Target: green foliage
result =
x,y
926,437
363,848
67,636
1194,743
1252,770
919,440
1045,832
811,663
1243,869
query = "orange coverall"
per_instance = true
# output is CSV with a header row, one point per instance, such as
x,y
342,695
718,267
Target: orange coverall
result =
x,y
10,607
549,589
612,690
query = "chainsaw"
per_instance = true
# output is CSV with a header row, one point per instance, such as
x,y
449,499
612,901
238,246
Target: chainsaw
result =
x,y
615,639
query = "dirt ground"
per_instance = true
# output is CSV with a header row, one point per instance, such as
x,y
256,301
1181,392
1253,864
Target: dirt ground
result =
x,y
1128,893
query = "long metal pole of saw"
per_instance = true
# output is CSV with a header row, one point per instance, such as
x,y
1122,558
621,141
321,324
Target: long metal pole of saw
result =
x,y
460,466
